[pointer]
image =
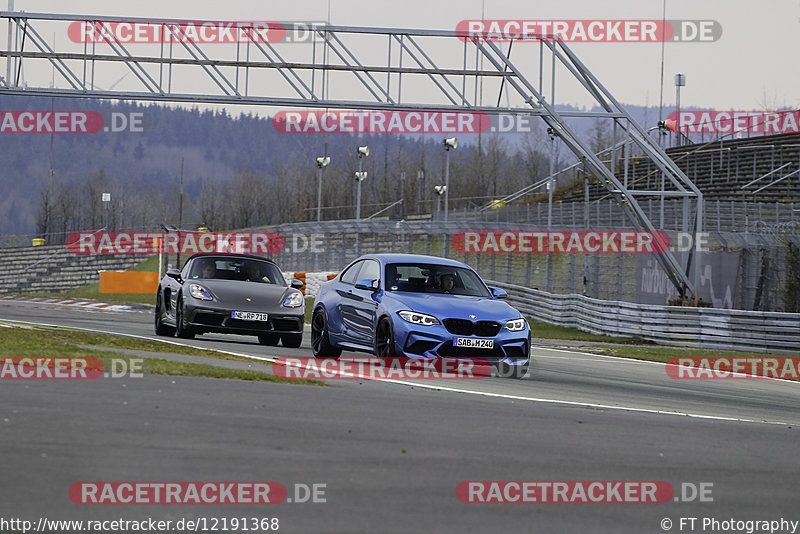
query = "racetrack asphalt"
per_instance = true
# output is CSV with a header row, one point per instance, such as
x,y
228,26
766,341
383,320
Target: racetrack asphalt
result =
x,y
392,454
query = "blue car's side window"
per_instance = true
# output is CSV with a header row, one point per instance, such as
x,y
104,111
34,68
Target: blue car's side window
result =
x,y
349,276
370,270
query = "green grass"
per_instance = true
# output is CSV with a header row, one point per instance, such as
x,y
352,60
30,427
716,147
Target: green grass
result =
x,y
38,342
630,347
64,338
657,353
548,331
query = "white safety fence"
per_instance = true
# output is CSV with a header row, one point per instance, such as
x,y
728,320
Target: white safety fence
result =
x,y
707,328
312,280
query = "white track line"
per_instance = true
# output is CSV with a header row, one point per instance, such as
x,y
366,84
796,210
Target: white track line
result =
x,y
456,390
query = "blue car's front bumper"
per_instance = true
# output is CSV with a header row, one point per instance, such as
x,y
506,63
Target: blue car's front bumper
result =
x,y
429,342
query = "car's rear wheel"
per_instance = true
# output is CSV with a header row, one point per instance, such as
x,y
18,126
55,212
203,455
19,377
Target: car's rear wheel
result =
x,y
269,339
292,341
182,330
384,339
320,341
160,328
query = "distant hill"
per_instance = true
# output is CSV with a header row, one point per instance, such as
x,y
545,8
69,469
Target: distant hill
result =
x,y
142,169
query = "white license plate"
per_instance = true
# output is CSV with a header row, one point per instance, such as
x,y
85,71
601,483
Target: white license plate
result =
x,y
249,316
471,342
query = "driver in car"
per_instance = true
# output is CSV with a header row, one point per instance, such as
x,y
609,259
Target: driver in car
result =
x,y
448,282
254,274
208,271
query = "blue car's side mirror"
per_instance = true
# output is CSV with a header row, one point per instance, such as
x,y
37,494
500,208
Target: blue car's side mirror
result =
x,y
369,284
498,293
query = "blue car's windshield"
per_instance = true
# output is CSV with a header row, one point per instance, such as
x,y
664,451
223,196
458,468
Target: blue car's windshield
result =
x,y
432,278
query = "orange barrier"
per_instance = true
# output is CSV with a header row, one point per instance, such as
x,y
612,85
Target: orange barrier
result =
x,y
128,282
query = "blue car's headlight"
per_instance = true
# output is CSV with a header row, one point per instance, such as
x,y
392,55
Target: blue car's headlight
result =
x,y
515,325
295,300
199,292
418,318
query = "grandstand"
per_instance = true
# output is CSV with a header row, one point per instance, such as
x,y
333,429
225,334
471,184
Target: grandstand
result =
x,y
755,169
53,268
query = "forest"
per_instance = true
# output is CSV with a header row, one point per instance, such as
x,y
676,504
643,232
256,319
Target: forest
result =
x,y
192,167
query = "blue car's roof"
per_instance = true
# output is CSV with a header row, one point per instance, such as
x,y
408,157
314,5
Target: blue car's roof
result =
x,y
414,258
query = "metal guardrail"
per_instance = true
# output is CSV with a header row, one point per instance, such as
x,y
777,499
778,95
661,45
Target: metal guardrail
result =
x,y
701,328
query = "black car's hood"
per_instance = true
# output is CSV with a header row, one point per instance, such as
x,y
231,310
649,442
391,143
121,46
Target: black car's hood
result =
x,y
235,293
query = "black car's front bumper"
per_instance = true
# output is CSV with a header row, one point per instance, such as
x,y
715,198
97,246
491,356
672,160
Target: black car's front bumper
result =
x,y
209,319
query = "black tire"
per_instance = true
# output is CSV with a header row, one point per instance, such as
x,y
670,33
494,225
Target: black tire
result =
x,y
182,331
384,339
320,342
271,340
160,328
292,341
505,370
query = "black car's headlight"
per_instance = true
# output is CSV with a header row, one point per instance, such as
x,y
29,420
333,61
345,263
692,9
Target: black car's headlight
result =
x,y
295,300
515,325
418,318
199,292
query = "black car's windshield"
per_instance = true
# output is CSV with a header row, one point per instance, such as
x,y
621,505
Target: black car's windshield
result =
x,y
245,270
431,278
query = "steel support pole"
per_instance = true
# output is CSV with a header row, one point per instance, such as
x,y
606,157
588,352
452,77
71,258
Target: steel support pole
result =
x,y
447,184
358,193
319,194
8,59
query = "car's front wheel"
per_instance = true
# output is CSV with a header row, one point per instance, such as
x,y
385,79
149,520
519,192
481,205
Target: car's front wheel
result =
x,y
292,341
160,328
384,339
320,342
182,330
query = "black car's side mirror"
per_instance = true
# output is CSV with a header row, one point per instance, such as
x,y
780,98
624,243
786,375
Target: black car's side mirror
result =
x,y
369,284
297,284
498,293
174,273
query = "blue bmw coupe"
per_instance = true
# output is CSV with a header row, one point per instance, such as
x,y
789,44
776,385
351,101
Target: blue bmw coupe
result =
x,y
405,305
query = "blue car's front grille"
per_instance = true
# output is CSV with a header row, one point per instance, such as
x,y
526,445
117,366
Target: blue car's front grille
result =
x,y
464,327
448,350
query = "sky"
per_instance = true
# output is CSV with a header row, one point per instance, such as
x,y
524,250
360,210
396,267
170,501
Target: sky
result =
x,y
751,65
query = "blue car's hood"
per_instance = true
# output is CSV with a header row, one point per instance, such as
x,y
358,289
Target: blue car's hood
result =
x,y
455,306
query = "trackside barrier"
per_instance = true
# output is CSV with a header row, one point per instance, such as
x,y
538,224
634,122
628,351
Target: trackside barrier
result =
x,y
312,280
702,328
141,282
